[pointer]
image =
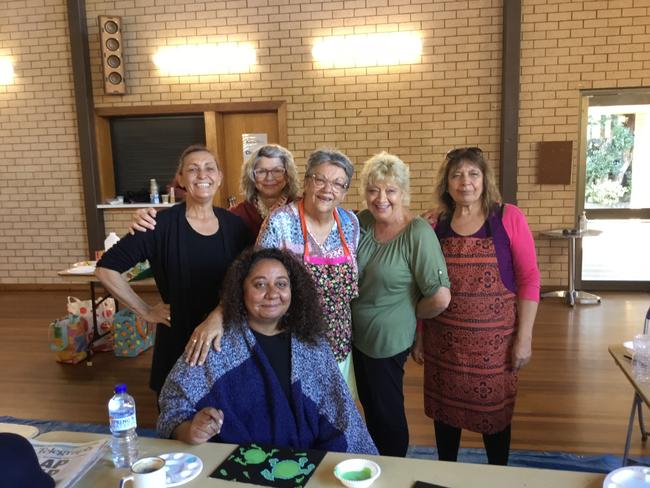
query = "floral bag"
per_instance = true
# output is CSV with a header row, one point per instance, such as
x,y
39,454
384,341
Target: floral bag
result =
x,y
133,334
105,312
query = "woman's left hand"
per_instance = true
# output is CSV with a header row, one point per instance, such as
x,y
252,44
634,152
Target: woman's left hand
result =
x,y
158,314
417,350
521,352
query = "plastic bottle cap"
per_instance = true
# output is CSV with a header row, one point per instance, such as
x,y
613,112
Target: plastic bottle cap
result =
x,y
121,388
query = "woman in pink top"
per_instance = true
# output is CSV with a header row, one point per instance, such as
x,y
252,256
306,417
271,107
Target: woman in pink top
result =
x,y
472,352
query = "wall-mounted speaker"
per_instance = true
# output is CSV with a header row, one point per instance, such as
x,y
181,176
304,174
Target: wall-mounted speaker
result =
x,y
110,38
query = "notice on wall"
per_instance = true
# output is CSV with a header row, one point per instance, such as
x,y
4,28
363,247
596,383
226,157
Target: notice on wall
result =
x,y
251,142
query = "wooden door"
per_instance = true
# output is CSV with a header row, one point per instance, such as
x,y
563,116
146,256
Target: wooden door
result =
x,y
230,144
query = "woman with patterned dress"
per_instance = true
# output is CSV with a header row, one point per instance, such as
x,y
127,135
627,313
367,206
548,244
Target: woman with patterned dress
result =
x,y
473,350
325,236
402,277
276,381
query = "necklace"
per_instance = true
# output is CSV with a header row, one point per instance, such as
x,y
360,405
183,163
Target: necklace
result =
x,y
263,210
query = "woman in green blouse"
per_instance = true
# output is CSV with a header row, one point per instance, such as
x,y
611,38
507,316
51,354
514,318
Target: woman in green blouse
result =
x,y
402,277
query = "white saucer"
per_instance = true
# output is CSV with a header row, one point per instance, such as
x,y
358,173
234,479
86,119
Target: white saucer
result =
x,y
181,467
628,477
27,431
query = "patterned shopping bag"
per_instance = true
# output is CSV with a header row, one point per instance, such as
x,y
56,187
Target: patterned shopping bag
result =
x,y
104,313
133,335
68,339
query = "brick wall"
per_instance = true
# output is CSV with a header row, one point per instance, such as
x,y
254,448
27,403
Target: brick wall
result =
x,y
42,223
568,47
451,98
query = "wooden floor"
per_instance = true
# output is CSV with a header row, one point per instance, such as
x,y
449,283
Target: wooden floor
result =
x,y
572,397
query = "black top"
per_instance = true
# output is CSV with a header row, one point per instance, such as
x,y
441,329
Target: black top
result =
x,y
208,271
170,249
277,349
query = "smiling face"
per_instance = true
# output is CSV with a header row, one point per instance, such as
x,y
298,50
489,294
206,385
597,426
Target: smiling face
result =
x,y
325,189
200,176
270,177
465,184
385,200
267,294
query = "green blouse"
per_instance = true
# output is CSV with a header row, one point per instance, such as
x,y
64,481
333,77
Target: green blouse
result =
x,y
393,277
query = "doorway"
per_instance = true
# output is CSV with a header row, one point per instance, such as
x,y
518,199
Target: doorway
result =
x,y
613,178
239,130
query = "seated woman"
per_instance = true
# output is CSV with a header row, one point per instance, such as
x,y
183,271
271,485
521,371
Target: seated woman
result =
x,y
276,380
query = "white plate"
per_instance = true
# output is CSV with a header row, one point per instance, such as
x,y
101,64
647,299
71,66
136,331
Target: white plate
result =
x,y
27,431
181,467
82,270
628,477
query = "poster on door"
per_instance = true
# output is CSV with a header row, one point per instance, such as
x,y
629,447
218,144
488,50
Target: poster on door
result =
x,y
251,142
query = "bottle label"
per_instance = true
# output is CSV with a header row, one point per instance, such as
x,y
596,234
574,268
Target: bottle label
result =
x,y
118,424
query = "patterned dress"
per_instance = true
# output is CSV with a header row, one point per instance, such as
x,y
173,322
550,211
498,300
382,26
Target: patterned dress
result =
x,y
333,265
469,381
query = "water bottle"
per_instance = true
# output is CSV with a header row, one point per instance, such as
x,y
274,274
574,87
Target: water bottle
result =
x,y
154,195
124,442
582,222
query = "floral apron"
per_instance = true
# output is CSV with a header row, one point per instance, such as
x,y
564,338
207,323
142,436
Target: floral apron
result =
x,y
337,283
469,382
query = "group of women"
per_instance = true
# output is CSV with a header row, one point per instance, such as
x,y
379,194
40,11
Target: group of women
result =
x,y
374,276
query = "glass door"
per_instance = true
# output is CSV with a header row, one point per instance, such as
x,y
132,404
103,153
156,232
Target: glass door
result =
x,y
614,190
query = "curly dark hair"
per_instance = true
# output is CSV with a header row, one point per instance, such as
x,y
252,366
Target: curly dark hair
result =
x,y
304,318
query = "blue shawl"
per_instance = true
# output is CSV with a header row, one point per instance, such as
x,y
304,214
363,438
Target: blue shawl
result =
x,y
240,381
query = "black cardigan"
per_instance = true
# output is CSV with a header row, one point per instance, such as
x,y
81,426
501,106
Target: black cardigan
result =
x,y
166,248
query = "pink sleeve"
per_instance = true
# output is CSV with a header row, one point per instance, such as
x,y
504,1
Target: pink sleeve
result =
x,y
522,247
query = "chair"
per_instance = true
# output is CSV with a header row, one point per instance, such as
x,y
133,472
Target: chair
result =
x,y
637,408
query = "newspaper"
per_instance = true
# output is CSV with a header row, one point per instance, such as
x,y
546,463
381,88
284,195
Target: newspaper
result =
x,y
67,462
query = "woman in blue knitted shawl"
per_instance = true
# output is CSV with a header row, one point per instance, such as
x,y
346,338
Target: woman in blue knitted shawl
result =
x,y
275,380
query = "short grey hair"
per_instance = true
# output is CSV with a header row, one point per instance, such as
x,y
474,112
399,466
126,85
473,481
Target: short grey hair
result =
x,y
247,183
384,166
331,156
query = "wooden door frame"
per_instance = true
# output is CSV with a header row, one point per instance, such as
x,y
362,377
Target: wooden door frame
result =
x,y
604,97
213,116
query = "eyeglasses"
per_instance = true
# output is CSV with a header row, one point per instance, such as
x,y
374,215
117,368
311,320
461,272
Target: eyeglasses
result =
x,y
276,173
452,153
320,182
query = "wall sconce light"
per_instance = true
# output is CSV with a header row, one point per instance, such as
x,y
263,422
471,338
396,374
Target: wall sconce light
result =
x,y
6,71
205,59
368,50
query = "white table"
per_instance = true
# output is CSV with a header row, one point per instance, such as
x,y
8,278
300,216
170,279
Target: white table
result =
x,y
571,295
395,472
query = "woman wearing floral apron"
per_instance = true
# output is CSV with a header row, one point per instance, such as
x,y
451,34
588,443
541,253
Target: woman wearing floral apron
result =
x,y
326,237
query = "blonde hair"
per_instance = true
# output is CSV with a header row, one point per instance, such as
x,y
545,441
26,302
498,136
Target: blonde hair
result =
x,y
384,166
247,184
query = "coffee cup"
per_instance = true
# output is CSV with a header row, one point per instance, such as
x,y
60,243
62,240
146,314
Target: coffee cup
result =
x,y
148,472
165,197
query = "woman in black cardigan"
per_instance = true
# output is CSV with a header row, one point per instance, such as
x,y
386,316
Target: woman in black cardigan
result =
x,y
189,251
